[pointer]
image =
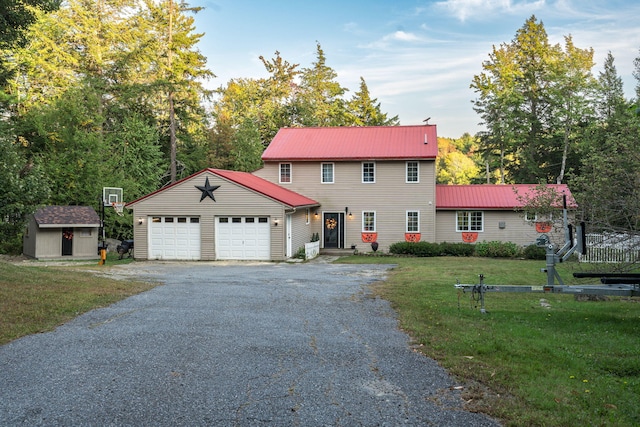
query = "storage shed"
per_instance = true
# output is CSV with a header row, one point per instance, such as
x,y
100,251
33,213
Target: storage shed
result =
x,y
62,232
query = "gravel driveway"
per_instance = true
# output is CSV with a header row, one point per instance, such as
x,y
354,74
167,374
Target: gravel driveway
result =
x,y
232,344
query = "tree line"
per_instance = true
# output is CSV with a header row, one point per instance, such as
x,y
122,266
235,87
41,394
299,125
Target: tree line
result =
x,y
112,93
550,119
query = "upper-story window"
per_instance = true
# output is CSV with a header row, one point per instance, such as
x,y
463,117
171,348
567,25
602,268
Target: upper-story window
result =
x,y
413,171
285,173
470,221
368,172
327,173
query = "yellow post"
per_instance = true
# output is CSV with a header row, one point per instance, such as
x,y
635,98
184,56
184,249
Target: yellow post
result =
x,y
103,256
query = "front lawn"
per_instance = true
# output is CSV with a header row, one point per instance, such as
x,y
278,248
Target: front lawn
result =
x,y
573,363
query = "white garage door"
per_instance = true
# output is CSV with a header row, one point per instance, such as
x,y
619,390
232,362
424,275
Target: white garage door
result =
x,y
174,237
244,238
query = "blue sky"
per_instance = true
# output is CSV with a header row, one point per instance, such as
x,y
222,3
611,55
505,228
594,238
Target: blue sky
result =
x,y
417,57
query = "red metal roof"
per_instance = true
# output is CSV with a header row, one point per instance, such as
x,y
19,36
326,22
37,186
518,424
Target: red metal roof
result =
x,y
354,143
251,182
490,196
267,188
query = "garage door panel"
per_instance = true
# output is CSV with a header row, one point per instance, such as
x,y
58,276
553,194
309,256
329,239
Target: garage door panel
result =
x,y
244,238
172,238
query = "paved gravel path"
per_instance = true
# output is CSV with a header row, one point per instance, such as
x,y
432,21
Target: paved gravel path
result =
x,y
265,344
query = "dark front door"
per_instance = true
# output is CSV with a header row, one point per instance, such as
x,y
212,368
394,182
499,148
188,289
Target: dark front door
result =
x,y
333,230
67,241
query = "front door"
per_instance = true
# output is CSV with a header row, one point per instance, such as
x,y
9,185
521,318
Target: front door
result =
x,y
333,230
67,241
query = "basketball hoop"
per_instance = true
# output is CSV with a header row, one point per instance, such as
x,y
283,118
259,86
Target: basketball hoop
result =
x,y
119,207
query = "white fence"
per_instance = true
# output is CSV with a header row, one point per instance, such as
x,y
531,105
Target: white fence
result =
x,y
612,248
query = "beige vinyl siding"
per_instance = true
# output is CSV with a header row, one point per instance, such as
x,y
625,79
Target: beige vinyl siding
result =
x,y
184,200
85,242
390,197
29,238
46,243
300,230
516,229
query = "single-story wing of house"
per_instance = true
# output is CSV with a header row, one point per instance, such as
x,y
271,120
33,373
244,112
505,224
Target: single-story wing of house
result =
x,y
471,213
56,232
221,215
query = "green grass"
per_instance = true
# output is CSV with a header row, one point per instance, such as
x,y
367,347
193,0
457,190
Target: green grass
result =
x,y
37,299
576,363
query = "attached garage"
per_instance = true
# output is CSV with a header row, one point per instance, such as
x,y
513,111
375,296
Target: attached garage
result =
x,y
172,238
243,238
219,215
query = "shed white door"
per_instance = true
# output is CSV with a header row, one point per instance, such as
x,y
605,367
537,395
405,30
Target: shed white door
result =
x,y
174,238
243,238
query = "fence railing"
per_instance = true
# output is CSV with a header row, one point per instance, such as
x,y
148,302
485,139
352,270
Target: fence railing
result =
x,y
611,248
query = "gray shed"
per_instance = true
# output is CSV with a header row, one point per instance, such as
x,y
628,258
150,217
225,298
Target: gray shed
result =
x,y
62,232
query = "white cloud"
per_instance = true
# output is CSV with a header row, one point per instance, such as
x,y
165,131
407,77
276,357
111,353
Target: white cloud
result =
x,y
465,9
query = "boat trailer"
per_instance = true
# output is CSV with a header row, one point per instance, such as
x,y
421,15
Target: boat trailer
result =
x,y
612,284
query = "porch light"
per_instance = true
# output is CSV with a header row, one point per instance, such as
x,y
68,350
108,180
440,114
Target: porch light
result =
x,y
316,215
275,222
139,221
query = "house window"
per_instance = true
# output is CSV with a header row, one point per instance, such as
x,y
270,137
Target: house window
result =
x,y
368,172
327,173
412,172
307,216
84,232
470,221
413,222
368,222
530,216
285,173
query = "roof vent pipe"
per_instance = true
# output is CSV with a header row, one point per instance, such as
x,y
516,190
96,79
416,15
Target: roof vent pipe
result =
x,y
425,139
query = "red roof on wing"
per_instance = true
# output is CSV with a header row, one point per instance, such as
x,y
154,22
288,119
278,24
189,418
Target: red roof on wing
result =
x,y
267,188
490,196
251,182
354,143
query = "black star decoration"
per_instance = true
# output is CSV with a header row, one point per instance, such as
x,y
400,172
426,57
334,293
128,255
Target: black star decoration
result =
x,y
207,190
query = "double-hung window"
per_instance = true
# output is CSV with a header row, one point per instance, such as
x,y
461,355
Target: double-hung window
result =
x,y
412,172
327,173
369,222
470,221
413,222
368,172
285,173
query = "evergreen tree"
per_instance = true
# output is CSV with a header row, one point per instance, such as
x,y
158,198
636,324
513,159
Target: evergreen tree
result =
x,y
364,111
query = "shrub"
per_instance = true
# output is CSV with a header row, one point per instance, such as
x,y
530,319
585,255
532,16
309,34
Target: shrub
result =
x,y
496,249
428,249
534,252
301,254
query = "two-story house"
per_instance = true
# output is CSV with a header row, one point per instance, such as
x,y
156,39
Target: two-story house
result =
x,y
372,183
350,186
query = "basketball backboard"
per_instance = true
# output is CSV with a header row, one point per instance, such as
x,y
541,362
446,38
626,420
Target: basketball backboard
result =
x,y
111,195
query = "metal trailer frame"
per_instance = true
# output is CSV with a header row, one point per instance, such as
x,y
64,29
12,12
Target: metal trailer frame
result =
x,y
613,284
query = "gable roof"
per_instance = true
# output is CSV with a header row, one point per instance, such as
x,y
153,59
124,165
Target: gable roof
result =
x,y
251,182
66,216
488,196
353,143
267,188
